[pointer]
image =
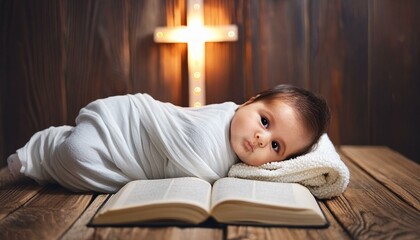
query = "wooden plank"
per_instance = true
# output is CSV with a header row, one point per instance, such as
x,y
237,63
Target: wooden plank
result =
x,y
273,46
334,231
394,80
5,13
338,65
390,168
47,216
369,210
97,56
14,193
79,230
159,233
224,60
159,69
35,84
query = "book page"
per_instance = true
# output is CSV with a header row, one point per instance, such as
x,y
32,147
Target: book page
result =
x,y
242,201
182,190
271,193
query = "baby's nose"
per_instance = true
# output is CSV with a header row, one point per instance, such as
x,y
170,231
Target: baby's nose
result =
x,y
262,139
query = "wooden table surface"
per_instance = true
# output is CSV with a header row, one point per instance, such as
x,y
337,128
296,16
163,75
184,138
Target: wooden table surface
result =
x,y
381,202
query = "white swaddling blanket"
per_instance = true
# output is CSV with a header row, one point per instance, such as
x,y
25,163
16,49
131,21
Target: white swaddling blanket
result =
x,y
123,138
320,170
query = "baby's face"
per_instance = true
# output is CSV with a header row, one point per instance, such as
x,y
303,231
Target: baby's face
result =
x,y
263,132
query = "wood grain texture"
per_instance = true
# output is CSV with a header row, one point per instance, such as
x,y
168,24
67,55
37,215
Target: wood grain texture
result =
x,y
338,66
221,62
4,65
79,229
273,43
395,75
47,216
159,233
380,162
368,210
15,192
159,69
334,231
96,52
35,97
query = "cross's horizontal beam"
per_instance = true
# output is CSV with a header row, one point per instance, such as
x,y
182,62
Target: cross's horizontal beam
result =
x,y
184,34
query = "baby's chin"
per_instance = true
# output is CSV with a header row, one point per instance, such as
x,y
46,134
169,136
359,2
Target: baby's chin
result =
x,y
251,162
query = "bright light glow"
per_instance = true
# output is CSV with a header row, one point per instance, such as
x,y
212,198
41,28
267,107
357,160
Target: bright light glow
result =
x,y
197,90
196,34
184,34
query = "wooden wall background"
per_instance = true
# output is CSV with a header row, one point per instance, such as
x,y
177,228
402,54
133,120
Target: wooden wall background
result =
x,y
362,55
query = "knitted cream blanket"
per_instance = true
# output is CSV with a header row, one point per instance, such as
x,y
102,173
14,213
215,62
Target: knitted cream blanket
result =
x,y
320,170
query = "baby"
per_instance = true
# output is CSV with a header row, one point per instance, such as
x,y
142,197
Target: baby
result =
x,y
124,138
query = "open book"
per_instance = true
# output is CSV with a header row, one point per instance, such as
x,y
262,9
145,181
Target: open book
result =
x,y
230,200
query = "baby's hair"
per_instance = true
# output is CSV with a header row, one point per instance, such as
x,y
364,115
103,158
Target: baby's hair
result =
x,y
312,109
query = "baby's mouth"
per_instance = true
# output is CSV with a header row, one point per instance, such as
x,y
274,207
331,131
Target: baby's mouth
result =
x,y
248,146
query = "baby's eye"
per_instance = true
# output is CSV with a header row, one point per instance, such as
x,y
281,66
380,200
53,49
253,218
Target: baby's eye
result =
x,y
264,122
275,146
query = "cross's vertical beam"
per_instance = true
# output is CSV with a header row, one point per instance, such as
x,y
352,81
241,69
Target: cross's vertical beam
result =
x,y
195,34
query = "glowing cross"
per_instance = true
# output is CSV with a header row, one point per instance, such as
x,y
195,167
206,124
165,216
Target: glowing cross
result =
x,y
195,34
